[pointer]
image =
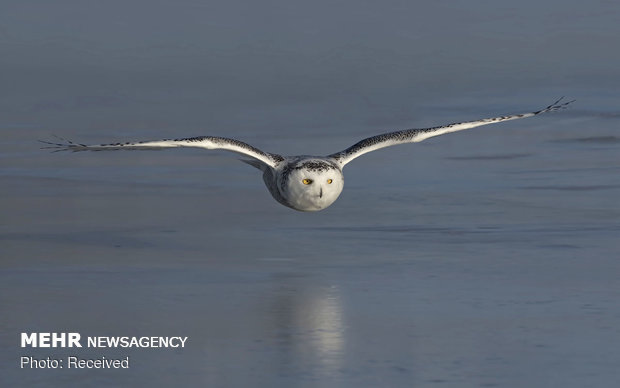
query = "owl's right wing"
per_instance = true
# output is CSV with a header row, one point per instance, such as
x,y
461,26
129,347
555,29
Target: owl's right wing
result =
x,y
417,135
207,142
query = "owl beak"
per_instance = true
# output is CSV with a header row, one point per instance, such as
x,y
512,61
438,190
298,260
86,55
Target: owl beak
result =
x,y
321,193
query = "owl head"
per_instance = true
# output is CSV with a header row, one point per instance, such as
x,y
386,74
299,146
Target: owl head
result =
x,y
311,185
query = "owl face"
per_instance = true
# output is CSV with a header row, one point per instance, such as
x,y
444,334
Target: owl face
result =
x,y
312,185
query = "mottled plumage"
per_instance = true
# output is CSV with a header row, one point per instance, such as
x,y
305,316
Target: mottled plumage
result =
x,y
305,183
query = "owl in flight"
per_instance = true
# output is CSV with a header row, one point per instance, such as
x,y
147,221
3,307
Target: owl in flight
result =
x,y
304,183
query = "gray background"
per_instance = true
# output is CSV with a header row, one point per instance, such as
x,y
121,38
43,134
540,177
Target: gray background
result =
x,y
483,258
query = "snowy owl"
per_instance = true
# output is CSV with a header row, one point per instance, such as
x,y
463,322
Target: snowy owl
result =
x,y
304,183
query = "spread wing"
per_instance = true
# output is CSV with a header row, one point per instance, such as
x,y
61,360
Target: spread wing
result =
x,y
417,135
208,142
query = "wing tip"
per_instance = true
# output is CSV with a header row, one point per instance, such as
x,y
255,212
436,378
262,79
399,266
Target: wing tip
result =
x,y
64,145
557,105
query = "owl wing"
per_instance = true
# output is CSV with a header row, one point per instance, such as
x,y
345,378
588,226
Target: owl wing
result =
x,y
417,135
208,142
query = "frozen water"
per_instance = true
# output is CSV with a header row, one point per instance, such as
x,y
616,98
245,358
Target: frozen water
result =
x,y
483,258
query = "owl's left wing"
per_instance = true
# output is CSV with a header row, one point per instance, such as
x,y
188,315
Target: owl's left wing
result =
x,y
417,135
207,142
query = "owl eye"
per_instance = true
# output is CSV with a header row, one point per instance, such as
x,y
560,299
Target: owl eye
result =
x,y
329,181
306,181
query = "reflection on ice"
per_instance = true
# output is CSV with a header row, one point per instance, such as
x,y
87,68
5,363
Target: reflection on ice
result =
x,y
325,320
309,326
